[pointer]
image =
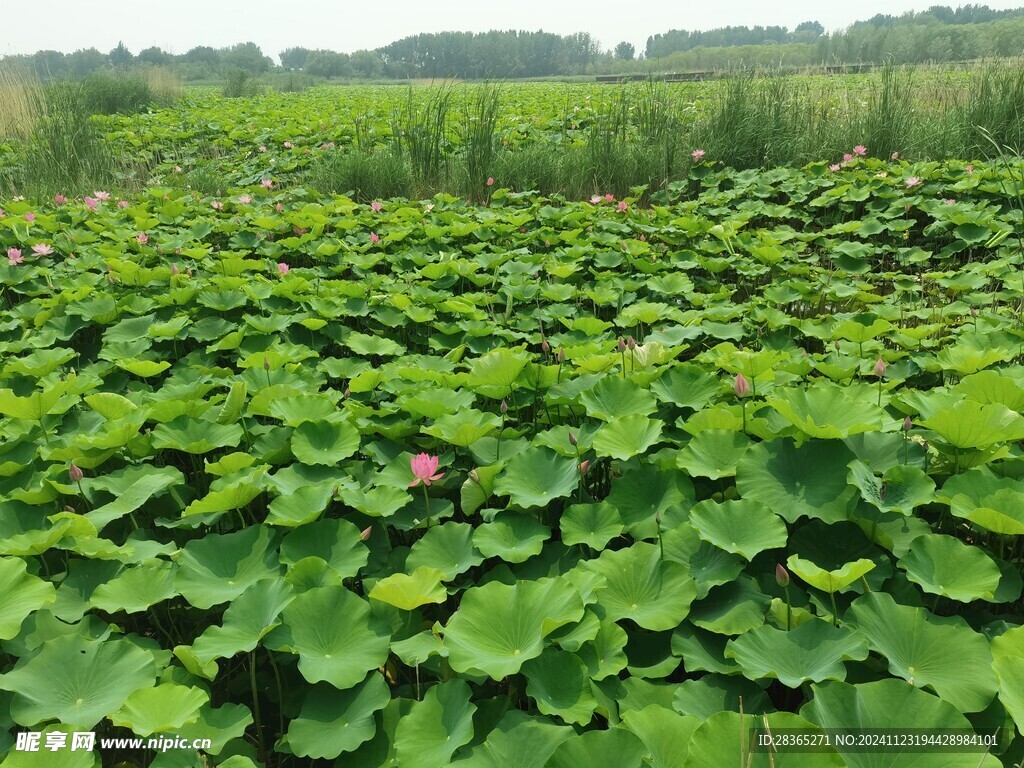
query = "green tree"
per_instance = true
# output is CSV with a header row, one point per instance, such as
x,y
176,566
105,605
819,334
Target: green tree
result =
x,y
625,51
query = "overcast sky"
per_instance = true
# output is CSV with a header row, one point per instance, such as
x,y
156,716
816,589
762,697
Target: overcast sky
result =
x,y
343,25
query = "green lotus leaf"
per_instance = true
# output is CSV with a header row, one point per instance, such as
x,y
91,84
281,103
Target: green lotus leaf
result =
x,y
861,329
448,548
705,696
558,683
335,541
613,397
665,734
436,726
39,363
332,722
465,427
994,503
813,651
687,386
883,704
418,648
220,726
713,453
310,573
640,586
324,442
796,481
830,581
1008,664
71,680
363,344
110,405
605,654
220,567
741,527
226,494
330,629
477,489
383,501
732,608
708,565
944,565
536,477
495,374
614,747
644,492
701,651
517,741
195,435
725,738
991,387
512,537
21,595
972,353
245,622
433,402
498,627
824,410
969,424
627,436
35,406
927,650
592,524
163,709
407,591
901,488
153,484
135,589
145,369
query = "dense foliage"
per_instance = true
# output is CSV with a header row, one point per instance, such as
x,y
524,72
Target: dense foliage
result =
x,y
531,483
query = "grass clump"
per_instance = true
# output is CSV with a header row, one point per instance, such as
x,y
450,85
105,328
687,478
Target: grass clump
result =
x,y
364,176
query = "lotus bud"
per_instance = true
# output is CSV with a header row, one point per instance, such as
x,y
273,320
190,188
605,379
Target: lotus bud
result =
x,y
75,473
545,347
561,355
879,368
781,575
365,534
974,311
266,364
572,439
835,346
174,269
347,392
69,509
741,386
584,466
907,424
621,345
630,343
334,491
474,476
504,407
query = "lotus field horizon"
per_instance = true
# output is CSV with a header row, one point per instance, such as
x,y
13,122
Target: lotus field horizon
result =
x,y
527,483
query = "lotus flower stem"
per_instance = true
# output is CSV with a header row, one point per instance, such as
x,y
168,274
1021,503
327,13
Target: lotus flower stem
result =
x,y
256,706
835,613
426,498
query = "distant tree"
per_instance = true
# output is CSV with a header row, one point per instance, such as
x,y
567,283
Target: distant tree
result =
x,y
294,58
121,56
154,56
85,61
625,51
367,64
247,56
328,64
202,54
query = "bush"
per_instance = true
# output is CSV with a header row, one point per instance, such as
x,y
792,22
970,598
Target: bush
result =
x,y
106,94
364,176
239,83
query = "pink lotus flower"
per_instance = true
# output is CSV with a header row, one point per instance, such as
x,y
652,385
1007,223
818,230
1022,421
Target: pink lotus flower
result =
x,y
123,204
263,149
428,207
266,183
879,369
595,199
59,199
244,199
101,195
283,268
609,198
424,467
847,158
834,167
895,156
698,155
142,238
490,181
969,169
861,150
584,466
374,238
622,206
217,205
949,200
177,169
279,207
741,386
14,256
91,203
375,206
913,181
42,249
30,217
288,145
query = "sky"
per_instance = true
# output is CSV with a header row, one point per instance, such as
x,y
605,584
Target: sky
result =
x,y
343,25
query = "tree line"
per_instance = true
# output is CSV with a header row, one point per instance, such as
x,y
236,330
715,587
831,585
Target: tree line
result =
x,y
939,34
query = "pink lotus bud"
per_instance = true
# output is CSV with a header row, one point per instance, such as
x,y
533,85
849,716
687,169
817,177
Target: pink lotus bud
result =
x,y
630,343
835,345
572,438
474,476
781,575
75,473
504,407
584,466
545,347
741,386
266,364
490,181
907,424
347,392
621,346
561,355
879,368
366,533
174,269
374,238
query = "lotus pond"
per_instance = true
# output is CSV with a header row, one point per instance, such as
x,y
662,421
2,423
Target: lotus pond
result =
x,y
531,484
